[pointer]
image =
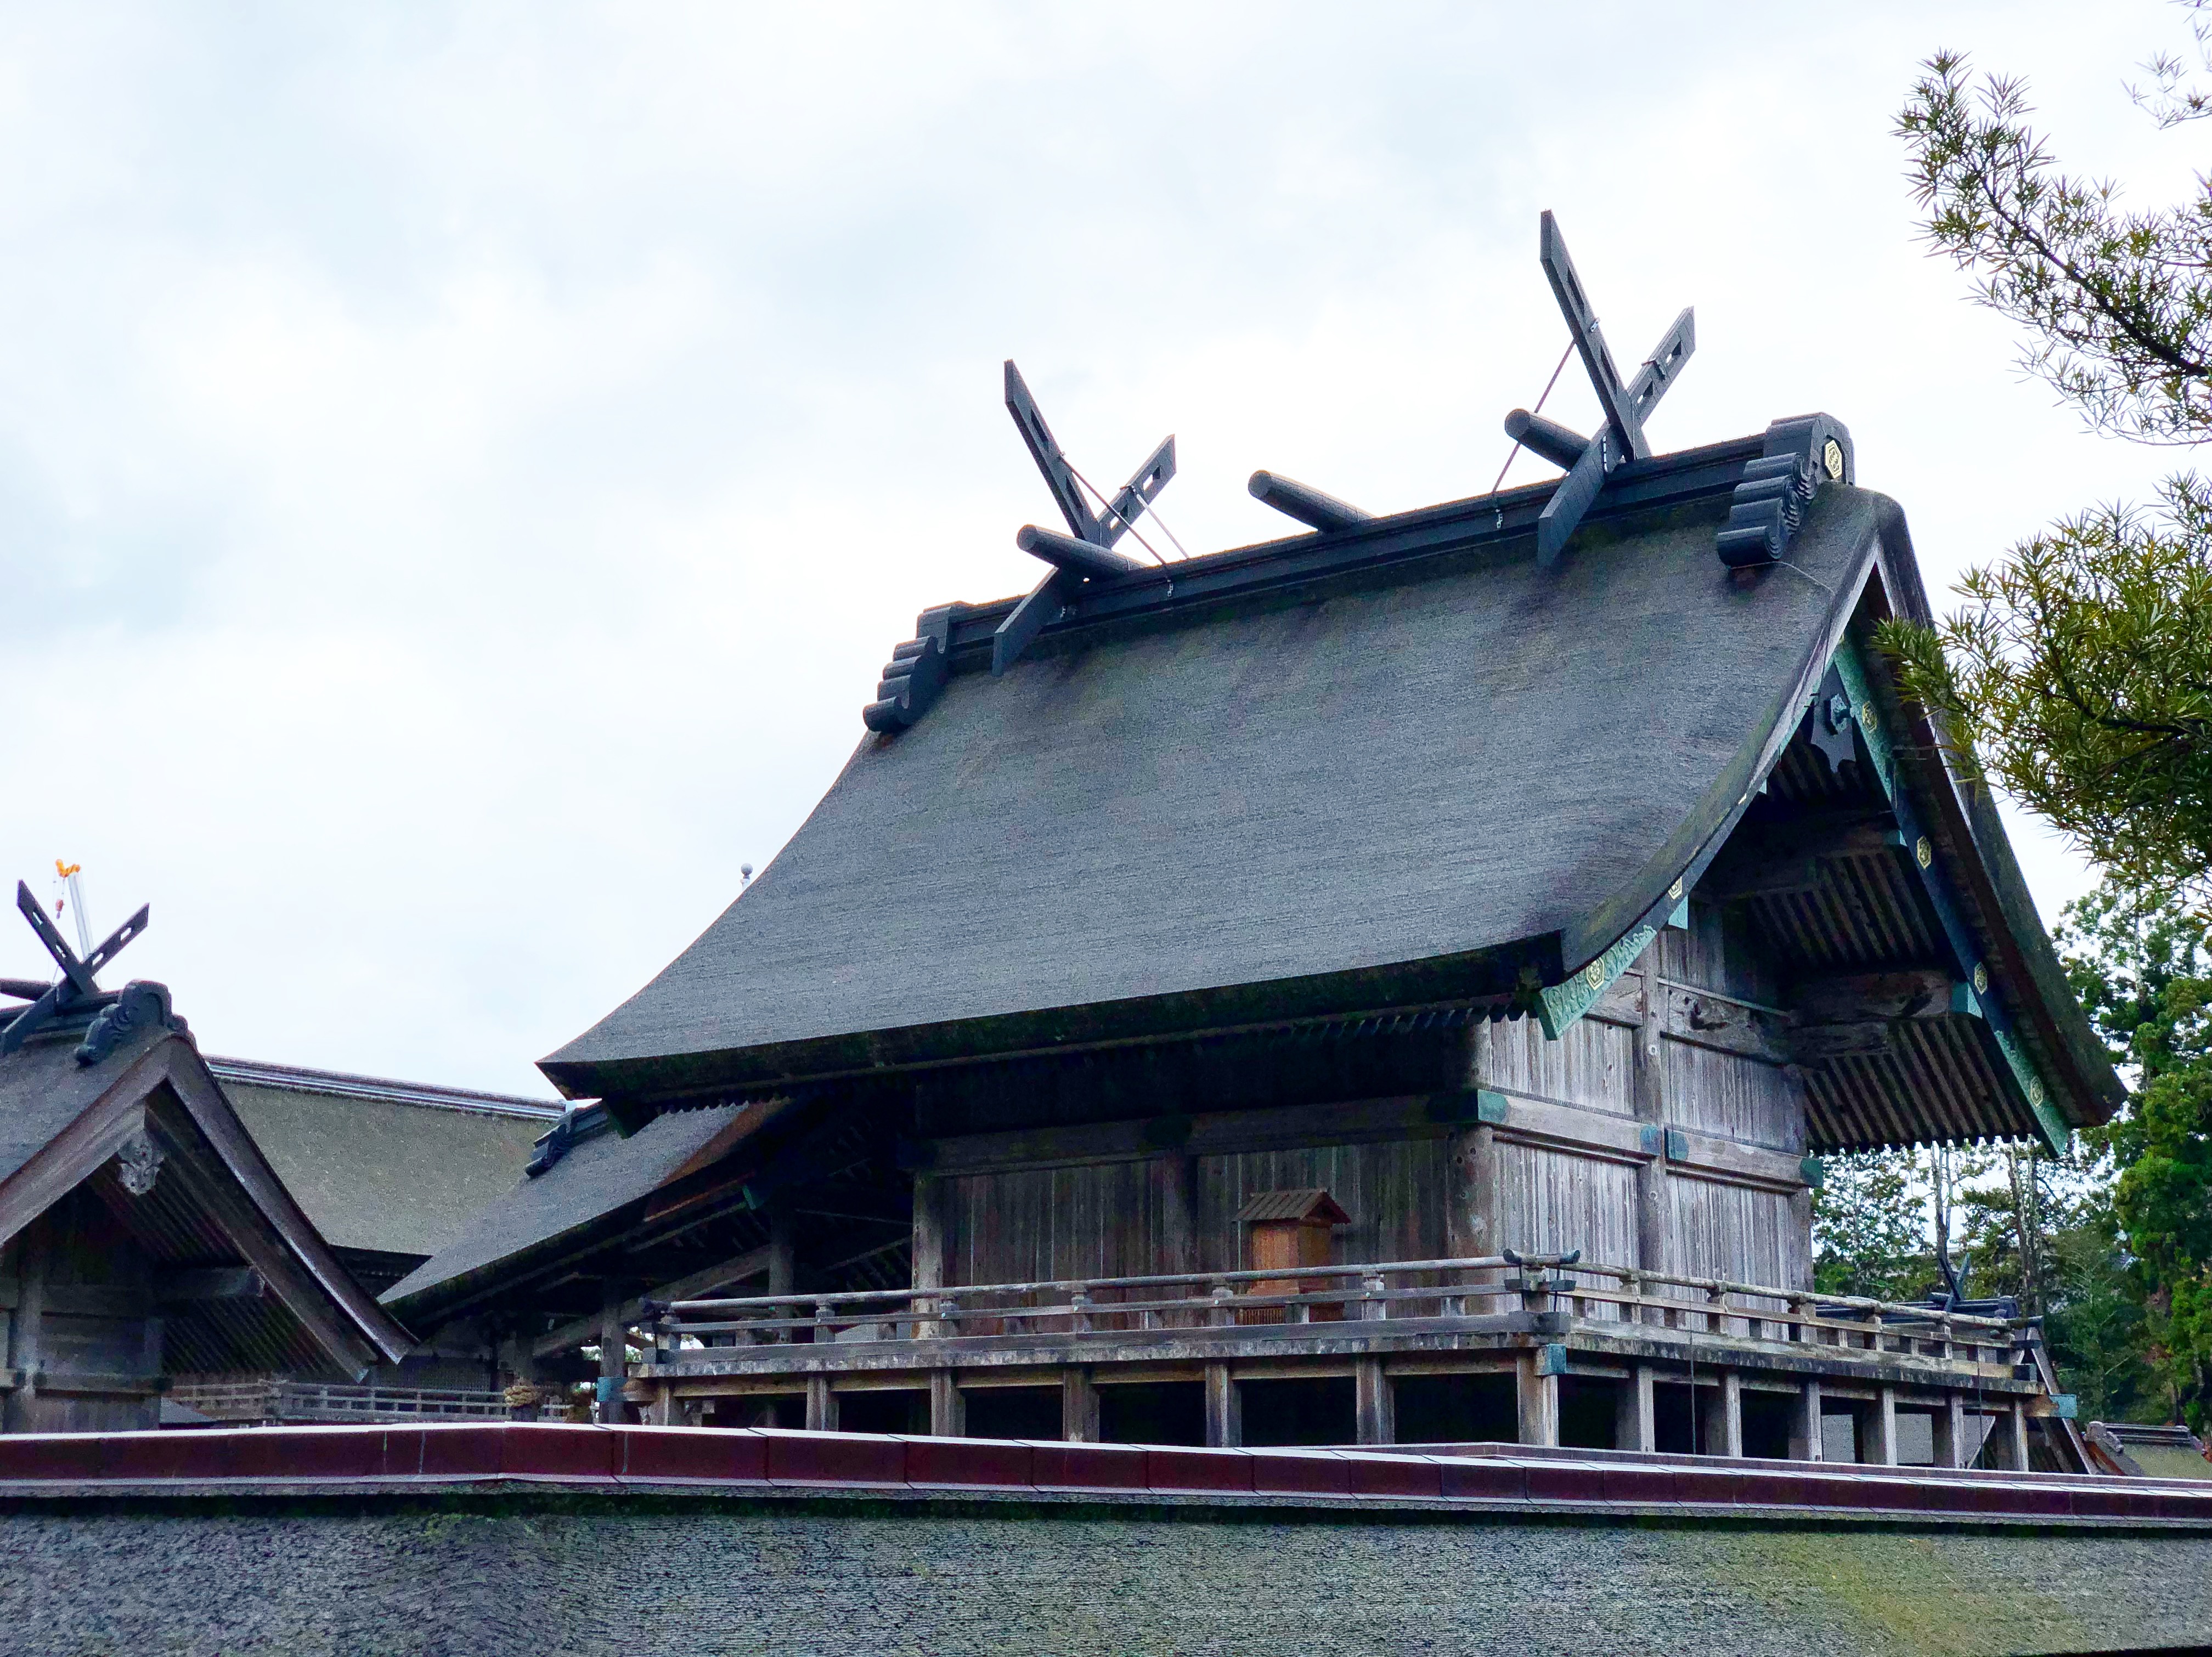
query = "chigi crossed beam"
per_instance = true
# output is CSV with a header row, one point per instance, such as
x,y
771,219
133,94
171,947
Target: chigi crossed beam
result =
x,y
1590,460
1087,551
77,979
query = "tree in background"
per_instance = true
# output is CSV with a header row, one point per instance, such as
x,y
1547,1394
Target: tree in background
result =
x,y
1870,1229
2078,677
2079,672
2144,969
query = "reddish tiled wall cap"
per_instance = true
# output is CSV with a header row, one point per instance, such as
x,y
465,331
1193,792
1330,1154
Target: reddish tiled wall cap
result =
x,y
276,1459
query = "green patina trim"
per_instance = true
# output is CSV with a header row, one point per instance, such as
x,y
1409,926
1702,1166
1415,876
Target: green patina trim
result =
x,y
1551,1360
1468,1105
1966,998
1559,1005
1815,1172
2057,1133
1851,668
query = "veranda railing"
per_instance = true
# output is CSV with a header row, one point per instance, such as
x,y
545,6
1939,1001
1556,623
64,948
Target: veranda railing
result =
x,y
274,1399
1447,1291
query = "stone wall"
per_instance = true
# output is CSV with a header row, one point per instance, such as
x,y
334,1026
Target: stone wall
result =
x,y
491,1574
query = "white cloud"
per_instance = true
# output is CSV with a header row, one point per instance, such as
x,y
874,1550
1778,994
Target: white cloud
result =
x,y
461,469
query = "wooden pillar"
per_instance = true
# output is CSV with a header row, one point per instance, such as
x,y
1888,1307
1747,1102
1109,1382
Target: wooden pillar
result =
x,y
948,1409
1471,1218
1079,1406
1720,1427
1805,1425
1800,1234
614,1360
1635,1422
1225,1408
664,1405
1882,1417
821,1405
782,1252
1539,1399
2010,1438
27,1353
929,1202
1654,1212
1374,1402
1178,1213
1949,1429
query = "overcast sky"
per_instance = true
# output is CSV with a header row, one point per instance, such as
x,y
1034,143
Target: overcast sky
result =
x,y
461,468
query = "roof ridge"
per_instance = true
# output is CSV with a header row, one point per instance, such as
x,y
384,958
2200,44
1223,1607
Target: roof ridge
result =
x,y
253,1073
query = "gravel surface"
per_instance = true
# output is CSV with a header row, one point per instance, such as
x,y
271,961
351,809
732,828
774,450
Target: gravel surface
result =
x,y
553,1575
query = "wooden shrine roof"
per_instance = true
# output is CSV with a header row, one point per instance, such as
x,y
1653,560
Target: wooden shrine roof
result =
x,y
212,1196
1395,766
386,1167
575,1194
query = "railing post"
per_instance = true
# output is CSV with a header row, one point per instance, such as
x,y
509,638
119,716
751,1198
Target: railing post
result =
x,y
1080,1300
1373,1305
1219,1315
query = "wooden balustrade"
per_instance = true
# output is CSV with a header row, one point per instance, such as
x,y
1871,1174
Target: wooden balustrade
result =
x,y
279,1400
1454,1290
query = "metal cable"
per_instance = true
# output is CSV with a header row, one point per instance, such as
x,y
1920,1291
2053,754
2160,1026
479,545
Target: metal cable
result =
x,y
1539,409
1127,522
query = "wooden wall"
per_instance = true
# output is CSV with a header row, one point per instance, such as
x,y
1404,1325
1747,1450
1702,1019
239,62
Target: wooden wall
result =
x,y
1550,1201
1394,1189
1550,1179
1036,1225
79,1298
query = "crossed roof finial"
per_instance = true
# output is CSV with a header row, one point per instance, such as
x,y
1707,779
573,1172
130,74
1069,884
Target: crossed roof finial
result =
x,y
76,983
1087,550
1590,460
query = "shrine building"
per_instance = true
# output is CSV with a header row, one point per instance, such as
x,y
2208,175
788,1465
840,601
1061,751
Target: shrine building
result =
x,y
1395,983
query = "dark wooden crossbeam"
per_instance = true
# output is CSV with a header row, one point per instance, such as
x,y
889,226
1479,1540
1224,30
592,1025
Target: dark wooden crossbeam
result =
x,y
1306,503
